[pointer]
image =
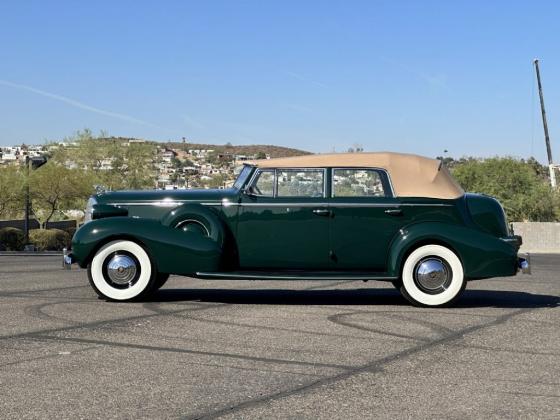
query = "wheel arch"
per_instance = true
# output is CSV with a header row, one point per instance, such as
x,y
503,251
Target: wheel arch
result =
x,y
426,241
206,216
118,237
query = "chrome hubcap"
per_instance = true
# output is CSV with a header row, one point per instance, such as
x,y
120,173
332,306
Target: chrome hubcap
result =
x,y
121,269
432,275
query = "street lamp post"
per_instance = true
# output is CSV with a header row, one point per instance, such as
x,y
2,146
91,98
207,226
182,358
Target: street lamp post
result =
x,y
30,163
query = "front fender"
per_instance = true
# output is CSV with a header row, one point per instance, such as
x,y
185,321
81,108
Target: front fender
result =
x,y
482,254
173,251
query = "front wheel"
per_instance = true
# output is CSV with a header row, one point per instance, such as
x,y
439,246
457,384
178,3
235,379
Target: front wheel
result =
x,y
432,276
121,270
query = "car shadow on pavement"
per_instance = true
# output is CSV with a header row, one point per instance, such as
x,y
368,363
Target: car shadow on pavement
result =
x,y
469,299
505,299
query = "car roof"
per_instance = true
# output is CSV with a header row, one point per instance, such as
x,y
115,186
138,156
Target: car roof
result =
x,y
411,175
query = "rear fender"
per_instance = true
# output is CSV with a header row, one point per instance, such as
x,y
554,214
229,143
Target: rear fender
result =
x,y
173,251
481,254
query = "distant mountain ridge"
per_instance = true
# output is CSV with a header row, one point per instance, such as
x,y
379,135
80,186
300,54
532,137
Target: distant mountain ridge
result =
x,y
249,150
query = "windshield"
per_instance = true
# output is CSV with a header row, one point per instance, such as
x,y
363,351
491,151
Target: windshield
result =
x,y
243,176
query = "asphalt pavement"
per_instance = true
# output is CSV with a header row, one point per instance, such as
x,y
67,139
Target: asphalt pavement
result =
x,y
269,349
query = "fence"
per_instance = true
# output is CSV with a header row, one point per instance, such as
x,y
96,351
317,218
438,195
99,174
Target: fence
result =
x,y
539,236
34,224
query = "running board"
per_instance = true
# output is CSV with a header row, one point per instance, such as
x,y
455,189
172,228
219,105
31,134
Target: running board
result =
x,y
256,275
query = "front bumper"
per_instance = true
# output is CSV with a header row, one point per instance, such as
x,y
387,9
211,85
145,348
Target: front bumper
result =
x,y
524,263
67,259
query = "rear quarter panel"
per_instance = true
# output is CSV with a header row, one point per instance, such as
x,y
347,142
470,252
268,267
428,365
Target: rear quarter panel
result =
x,y
483,255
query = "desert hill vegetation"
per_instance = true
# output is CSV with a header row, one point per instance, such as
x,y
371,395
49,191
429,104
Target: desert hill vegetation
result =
x,y
260,150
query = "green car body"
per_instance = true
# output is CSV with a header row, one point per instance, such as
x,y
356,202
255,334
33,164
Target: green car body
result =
x,y
367,216
232,233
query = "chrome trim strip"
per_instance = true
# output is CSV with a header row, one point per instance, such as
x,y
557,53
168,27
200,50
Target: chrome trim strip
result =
x,y
264,276
227,203
183,222
318,204
335,205
426,205
161,203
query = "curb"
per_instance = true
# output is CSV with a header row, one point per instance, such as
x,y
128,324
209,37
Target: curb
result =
x,y
30,254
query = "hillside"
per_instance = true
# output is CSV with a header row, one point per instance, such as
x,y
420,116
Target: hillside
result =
x,y
249,150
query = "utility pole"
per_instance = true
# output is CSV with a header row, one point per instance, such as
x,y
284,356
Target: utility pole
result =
x,y
545,126
27,204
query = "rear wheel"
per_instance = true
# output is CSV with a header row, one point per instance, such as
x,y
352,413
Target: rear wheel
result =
x,y
432,276
122,270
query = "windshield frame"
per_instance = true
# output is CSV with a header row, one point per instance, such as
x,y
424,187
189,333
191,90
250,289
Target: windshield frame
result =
x,y
243,177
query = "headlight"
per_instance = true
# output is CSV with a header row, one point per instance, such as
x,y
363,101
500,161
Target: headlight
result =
x,y
89,209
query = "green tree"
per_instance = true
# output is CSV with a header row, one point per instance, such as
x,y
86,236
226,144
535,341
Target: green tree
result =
x,y
12,184
138,169
217,181
524,193
55,188
114,163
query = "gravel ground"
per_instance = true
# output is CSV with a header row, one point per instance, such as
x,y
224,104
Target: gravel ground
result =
x,y
240,349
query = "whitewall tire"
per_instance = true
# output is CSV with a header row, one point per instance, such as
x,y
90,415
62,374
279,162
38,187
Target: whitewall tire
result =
x,y
121,270
432,276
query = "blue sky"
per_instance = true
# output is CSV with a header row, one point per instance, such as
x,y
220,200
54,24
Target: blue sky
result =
x,y
416,76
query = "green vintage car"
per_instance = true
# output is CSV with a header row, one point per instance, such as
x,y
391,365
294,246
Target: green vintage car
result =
x,y
364,216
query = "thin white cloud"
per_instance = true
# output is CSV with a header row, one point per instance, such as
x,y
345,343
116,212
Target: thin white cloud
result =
x,y
305,79
300,108
77,104
439,80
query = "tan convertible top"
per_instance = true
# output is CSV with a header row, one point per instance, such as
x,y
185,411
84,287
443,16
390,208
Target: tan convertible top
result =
x,y
411,175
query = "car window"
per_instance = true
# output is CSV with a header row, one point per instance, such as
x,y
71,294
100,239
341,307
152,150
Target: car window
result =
x,y
300,183
357,183
263,184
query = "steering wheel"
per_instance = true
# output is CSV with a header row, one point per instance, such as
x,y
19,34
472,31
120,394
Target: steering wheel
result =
x,y
257,190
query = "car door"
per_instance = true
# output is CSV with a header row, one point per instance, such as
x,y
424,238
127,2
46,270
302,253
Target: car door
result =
x,y
283,221
365,218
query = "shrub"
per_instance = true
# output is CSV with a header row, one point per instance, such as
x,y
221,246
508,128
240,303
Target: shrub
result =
x,y
11,239
518,185
49,239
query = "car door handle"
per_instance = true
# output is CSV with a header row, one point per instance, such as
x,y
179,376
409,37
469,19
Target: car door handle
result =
x,y
322,212
393,212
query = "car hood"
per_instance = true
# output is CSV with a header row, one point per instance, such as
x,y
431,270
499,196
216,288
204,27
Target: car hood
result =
x,y
148,196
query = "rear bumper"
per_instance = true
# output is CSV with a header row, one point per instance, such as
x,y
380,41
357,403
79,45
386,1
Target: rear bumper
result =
x,y
514,240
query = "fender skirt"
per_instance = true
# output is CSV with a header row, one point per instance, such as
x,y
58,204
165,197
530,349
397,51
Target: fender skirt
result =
x,y
483,255
172,251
